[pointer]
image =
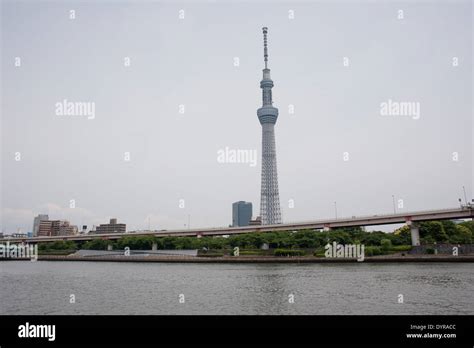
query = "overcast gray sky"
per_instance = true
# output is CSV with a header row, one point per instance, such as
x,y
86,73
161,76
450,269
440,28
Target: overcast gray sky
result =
x,y
190,61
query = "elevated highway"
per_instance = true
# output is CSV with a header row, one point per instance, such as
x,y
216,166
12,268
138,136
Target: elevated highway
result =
x,y
410,218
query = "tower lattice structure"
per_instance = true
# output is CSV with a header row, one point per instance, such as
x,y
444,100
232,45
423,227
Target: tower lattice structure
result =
x,y
267,115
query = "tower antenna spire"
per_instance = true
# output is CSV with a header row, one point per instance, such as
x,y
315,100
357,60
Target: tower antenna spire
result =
x,y
265,48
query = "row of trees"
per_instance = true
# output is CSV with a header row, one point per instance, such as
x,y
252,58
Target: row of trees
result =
x,y
430,232
58,245
442,232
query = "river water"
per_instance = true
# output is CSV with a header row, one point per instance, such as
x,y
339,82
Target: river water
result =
x,y
157,288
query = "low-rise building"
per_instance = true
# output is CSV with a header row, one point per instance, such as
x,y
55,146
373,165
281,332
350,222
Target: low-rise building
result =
x,y
51,228
111,227
45,228
36,223
65,229
257,221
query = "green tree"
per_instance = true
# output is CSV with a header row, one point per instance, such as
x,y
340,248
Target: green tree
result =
x,y
462,235
401,236
340,237
306,239
433,229
449,227
469,225
58,245
374,238
97,244
386,244
428,240
136,242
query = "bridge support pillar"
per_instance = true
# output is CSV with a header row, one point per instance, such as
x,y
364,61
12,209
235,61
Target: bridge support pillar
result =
x,y
415,233
154,246
109,247
327,228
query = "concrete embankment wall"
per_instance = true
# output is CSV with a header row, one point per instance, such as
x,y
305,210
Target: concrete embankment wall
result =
x,y
236,259
463,249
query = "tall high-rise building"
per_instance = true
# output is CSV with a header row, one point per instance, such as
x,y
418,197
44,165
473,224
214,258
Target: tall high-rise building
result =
x,y
36,223
267,115
241,213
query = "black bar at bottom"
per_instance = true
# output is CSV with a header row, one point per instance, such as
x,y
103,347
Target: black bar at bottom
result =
x,y
287,331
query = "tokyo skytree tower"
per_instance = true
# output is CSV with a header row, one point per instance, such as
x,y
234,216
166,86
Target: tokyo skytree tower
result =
x,y
267,115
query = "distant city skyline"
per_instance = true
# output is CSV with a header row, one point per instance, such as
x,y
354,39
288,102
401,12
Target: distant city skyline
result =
x,y
375,110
